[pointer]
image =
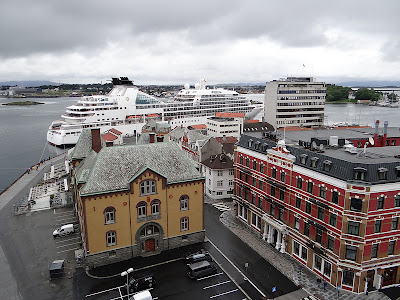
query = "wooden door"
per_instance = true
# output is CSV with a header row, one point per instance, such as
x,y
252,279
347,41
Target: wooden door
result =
x,y
150,245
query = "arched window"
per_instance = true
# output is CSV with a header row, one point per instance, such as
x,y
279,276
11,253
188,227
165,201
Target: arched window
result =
x,y
109,215
148,187
141,209
184,223
184,202
149,230
155,206
111,238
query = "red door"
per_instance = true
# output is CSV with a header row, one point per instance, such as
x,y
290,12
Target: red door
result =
x,y
150,245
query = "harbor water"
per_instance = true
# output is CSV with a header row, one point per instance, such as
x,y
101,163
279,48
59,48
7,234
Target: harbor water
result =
x,y
23,129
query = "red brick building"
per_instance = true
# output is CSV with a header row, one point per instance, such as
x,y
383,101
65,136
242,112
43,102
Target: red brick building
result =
x,y
334,211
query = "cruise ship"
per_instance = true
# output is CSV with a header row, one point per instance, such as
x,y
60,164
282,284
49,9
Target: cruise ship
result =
x,y
128,109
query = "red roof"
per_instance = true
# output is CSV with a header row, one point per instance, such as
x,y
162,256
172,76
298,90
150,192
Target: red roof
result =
x,y
253,121
108,137
199,126
229,115
226,140
115,131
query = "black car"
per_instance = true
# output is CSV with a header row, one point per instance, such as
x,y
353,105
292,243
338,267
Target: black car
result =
x,y
198,256
201,269
141,283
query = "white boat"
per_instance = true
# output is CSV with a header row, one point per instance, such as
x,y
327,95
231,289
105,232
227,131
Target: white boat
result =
x,y
127,109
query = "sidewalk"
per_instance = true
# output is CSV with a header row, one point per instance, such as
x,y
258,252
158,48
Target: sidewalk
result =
x,y
285,264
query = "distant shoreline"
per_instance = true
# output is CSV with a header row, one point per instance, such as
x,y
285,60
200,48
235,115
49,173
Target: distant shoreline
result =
x,y
23,103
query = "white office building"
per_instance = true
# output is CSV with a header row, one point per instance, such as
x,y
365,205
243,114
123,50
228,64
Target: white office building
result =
x,y
295,101
220,126
219,176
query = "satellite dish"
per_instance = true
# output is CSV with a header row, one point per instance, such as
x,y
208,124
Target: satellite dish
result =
x,y
371,140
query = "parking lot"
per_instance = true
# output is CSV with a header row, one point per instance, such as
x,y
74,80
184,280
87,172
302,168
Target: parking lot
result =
x,y
172,282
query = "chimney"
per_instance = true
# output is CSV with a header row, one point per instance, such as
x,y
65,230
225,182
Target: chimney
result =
x,y
96,140
385,126
224,138
376,131
152,137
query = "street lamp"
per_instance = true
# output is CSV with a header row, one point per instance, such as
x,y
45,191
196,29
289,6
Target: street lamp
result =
x,y
126,273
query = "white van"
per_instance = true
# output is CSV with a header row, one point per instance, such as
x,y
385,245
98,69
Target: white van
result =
x,y
64,230
144,295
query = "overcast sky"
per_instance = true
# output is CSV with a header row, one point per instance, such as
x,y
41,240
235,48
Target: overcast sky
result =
x,y
174,42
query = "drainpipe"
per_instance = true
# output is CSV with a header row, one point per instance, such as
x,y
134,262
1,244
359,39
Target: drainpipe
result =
x,y
385,126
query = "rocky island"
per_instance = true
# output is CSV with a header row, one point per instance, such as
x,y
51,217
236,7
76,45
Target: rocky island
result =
x,y
23,103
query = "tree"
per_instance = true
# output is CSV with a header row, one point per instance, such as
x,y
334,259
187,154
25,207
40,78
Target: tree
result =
x,y
392,96
367,94
337,93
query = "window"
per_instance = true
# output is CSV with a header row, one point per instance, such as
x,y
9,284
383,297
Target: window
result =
x,y
109,214
111,237
147,187
297,223
308,207
184,224
242,212
231,172
304,253
260,185
241,160
317,262
155,207
253,199
280,214
253,183
255,221
149,230
273,173
397,169
299,183
395,223
320,214
283,176
230,182
327,268
391,247
296,248
374,251
382,173
318,236
306,229
332,219
272,191
184,200
261,168
220,173
219,193
397,201
141,209
281,195
254,165
247,162
356,204
298,202
322,192
314,162
310,187
272,210
359,173
335,197
381,201
331,243
219,182
351,252
377,227
327,165
353,228
348,277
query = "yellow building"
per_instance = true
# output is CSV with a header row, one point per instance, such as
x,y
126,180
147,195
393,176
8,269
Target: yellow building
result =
x,y
136,201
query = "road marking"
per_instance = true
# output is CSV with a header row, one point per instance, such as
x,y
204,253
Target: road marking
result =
x,y
67,220
94,294
221,206
262,294
219,295
198,279
68,240
67,245
67,250
214,285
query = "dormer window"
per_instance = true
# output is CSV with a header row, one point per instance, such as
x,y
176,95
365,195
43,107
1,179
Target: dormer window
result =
x,y
314,162
257,145
303,159
360,173
327,165
382,173
264,147
250,143
397,171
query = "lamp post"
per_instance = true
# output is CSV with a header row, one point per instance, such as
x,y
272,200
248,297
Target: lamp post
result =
x,y
126,273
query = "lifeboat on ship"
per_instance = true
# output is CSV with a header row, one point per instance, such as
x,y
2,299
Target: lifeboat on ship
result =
x,y
136,117
152,116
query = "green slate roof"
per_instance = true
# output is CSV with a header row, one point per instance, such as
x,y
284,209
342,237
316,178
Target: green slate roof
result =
x,y
83,147
114,167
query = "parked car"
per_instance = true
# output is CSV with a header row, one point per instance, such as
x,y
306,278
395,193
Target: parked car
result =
x,y
145,295
198,256
64,230
141,283
201,269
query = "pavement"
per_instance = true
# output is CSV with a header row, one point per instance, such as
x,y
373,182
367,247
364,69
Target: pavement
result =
x,y
286,264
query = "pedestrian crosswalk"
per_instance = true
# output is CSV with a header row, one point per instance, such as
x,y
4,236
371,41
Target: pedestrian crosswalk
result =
x,y
310,298
221,206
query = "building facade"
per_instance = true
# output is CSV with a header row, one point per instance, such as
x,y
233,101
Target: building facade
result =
x,y
218,170
334,212
137,201
221,126
294,101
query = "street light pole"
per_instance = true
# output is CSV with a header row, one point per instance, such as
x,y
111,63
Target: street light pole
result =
x,y
126,273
